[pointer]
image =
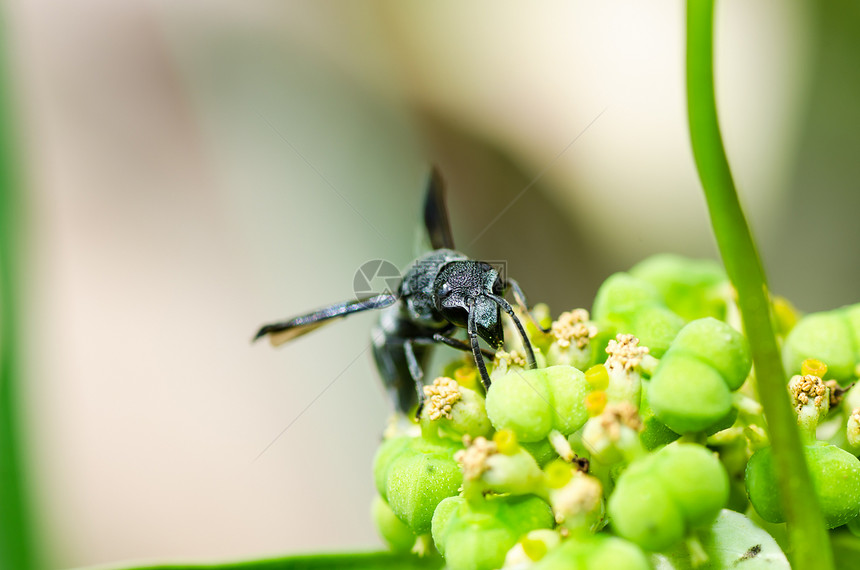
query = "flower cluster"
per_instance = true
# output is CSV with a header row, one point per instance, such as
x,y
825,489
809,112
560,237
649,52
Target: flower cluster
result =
x,y
637,442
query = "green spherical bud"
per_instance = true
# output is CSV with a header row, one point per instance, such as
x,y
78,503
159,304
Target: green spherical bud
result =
x,y
691,288
419,478
392,530
568,389
688,395
443,516
389,450
695,479
654,433
642,510
655,327
479,535
835,478
520,401
455,410
622,295
828,337
531,403
517,474
542,451
719,345
597,551
478,546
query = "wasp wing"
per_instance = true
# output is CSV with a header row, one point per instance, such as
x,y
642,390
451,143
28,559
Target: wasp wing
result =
x,y
285,331
436,213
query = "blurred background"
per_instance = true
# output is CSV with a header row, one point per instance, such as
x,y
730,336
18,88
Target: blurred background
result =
x,y
196,169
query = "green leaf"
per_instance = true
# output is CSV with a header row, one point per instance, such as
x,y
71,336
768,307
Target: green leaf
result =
x,y
345,561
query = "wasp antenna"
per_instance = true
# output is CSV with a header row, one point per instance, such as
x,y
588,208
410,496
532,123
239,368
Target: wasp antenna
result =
x,y
472,329
530,354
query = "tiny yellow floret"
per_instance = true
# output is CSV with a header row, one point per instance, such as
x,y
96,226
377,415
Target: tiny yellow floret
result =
x,y
806,388
474,457
441,397
595,402
597,377
571,326
534,549
814,367
625,353
618,415
514,357
558,473
506,441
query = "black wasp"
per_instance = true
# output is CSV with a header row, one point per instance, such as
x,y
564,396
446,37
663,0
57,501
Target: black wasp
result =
x,y
442,290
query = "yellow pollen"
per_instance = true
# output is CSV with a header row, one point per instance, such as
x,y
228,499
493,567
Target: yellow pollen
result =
x,y
441,397
805,388
616,416
514,357
625,353
572,326
474,457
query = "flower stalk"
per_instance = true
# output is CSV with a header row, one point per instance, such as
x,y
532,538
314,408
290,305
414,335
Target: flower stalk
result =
x,y
809,539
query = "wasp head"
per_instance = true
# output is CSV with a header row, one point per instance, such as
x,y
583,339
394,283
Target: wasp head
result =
x,y
462,287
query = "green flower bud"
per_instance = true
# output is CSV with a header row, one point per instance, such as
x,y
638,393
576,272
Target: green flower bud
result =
x,y
542,451
455,411
717,344
613,436
835,478
486,468
532,547
662,495
691,288
531,403
478,535
572,335
621,295
810,398
636,307
655,327
691,388
390,449
597,551
392,530
688,395
832,337
654,433
414,477
696,479
642,510
578,505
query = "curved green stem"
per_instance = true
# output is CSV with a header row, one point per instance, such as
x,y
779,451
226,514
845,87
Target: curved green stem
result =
x,y
16,549
809,538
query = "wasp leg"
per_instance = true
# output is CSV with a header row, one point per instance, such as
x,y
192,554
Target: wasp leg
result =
x,y
453,343
284,331
472,329
416,372
530,353
520,298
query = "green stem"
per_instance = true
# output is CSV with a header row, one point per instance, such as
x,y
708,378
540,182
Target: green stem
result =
x,y
809,539
15,533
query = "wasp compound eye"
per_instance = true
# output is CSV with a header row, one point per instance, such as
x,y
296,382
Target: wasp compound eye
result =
x,y
498,286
